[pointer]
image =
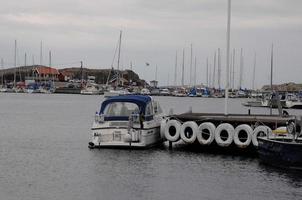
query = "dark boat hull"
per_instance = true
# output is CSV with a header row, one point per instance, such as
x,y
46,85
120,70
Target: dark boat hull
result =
x,y
281,152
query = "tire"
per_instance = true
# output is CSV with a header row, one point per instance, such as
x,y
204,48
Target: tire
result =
x,y
260,131
163,124
188,132
211,129
229,129
172,130
248,130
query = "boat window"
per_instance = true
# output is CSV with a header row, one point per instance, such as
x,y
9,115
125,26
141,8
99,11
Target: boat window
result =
x,y
121,109
149,109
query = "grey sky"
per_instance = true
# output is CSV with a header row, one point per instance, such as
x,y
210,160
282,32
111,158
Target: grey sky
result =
x,y
153,31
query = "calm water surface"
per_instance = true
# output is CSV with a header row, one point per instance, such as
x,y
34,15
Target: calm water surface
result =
x,y
44,155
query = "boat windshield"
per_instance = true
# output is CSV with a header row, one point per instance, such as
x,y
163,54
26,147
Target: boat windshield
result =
x,y
121,109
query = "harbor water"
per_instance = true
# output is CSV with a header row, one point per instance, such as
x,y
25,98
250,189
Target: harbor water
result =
x,y
44,155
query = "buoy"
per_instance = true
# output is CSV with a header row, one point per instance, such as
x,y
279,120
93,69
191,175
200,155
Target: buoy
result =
x,y
172,130
163,124
243,135
206,133
224,134
188,132
260,131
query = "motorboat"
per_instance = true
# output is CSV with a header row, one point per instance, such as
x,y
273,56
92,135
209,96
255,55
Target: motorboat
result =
x,y
116,92
90,89
281,152
131,121
145,91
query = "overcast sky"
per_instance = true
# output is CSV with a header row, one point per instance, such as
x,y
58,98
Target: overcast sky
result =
x,y
153,31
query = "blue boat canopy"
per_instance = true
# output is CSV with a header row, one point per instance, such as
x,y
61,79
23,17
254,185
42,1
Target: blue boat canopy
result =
x,y
139,100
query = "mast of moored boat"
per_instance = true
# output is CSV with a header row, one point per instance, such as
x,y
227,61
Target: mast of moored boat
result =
x,y
227,59
2,74
191,57
207,72
118,59
183,68
15,63
175,70
254,72
272,54
214,70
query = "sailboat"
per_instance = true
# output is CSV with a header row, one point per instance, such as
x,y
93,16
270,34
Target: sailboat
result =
x,y
116,90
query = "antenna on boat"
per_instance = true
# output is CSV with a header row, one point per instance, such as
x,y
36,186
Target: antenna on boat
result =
x,y
227,59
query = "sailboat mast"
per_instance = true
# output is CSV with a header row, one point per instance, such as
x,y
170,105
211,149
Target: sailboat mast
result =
x,y
207,72
227,59
2,67
233,70
195,72
41,53
214,72
191,57
241,68
219,69
156,72
118,59
15,63
49,58
254,71
272,59
183,68
175,70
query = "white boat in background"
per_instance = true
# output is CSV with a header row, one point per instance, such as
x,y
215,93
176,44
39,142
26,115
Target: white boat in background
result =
x,y
145,91
91,89
116,92
131,121
292,101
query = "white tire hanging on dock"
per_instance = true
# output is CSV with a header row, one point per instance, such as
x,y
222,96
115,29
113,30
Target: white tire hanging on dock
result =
x,y
172,130
163,124
206,133
260,131
188,132
221,139
243,141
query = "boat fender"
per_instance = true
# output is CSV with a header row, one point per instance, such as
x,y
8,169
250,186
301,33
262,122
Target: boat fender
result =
x,y
260,131
210,127
163,124
291,127
247,141
229,129
172,130
188,132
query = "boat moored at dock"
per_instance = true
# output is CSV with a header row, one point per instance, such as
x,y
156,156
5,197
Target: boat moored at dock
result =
x,y
131,121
